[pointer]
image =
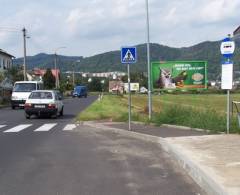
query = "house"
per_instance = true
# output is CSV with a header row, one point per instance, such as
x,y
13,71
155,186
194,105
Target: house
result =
x,y
40,72
5,60
237,31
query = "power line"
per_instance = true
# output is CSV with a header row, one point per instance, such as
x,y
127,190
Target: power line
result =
x,y
9,29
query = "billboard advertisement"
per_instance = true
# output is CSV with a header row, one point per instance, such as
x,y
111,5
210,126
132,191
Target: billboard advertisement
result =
x,y
134,87
182,75
116,87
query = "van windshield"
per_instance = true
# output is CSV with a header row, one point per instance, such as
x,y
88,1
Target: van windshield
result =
x,y
24,87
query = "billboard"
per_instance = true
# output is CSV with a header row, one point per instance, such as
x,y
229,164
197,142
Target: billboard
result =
x,y
182,75
116,87
134,87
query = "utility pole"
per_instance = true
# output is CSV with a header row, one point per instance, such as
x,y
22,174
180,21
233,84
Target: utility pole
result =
x,y
55,67
73,72
24,54
148,65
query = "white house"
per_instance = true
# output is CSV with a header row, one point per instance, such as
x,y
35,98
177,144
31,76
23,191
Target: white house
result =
x,y
5,60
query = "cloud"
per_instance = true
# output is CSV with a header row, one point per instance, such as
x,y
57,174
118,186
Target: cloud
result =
x,y
95,26
218,10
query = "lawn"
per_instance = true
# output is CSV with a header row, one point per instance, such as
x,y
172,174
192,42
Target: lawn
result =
x,y
207,111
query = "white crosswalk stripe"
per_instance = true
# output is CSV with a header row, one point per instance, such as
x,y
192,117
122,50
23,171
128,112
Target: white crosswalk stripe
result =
x,y
18,128
43,128
46,127
1,126
69,127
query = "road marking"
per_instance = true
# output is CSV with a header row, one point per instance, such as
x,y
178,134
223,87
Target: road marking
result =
x,y
1,126
46,127
233,164
17,128
69,127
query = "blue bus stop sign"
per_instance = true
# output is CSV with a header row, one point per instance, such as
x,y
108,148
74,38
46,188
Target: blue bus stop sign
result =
x,y
128,55
227,48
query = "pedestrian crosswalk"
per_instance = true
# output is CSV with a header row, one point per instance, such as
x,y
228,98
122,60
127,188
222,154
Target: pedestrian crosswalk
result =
x,y
40,128
17,128
46,127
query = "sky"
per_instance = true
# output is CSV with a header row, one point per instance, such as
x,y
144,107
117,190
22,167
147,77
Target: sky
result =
x,y
90,27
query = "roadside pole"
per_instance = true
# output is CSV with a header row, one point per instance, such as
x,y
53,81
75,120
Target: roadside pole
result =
x,y
228,111
148,65
129,99
24,54
227,49
129,56
55,66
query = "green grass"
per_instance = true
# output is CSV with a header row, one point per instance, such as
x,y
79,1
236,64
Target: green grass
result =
x,y
110,107
196,111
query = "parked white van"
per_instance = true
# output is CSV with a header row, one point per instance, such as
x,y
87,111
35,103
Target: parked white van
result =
x,y
22,90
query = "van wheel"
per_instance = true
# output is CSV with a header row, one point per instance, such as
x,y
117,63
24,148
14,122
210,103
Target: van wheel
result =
x,y
27,116
61,112
13,107
54,116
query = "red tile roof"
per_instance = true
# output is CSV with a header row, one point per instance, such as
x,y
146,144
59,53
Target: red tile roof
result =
x,y
41,72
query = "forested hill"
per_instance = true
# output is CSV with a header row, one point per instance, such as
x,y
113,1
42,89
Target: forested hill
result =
x,y
110,61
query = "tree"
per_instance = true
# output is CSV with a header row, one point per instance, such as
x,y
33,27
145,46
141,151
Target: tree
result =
x,y
95,85
137,78
48,79
14,73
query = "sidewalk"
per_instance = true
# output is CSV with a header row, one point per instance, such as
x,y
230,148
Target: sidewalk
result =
x,y
213,161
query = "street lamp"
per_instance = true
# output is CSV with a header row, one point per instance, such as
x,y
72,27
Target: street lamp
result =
x,y
55,66
24,52
148,64
73,72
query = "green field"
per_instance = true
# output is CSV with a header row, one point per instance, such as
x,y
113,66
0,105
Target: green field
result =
x,y
206,111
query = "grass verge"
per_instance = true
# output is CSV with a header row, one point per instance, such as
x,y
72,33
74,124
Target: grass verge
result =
x,y
182,111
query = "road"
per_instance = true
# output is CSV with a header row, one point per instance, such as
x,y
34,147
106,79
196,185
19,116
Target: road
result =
x,y
56,157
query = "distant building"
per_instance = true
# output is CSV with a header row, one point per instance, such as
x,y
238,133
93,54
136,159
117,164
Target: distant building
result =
x,y
5,60
38,73
237,31
113,75
116,87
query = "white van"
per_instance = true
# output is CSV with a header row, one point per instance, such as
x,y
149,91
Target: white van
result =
x,y
22,90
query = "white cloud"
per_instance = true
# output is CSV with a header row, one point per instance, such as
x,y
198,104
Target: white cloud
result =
x,y
218,10
95,26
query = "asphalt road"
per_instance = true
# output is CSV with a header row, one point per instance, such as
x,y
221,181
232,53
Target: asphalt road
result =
x,y
81,160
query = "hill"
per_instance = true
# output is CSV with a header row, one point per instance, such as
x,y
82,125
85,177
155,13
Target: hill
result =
x,y
110,61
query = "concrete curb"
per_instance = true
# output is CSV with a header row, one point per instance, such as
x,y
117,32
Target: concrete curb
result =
x,y
185,128
132,134
4,106
198,173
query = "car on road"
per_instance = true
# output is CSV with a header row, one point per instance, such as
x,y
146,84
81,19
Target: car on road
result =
x,y
44,102
22,90
79,91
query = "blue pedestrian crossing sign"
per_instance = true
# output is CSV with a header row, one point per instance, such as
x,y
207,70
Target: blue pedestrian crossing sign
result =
x,y
128,55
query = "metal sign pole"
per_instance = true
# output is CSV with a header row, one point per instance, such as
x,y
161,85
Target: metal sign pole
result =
x,y
227,49
129,56
129,99
228,110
